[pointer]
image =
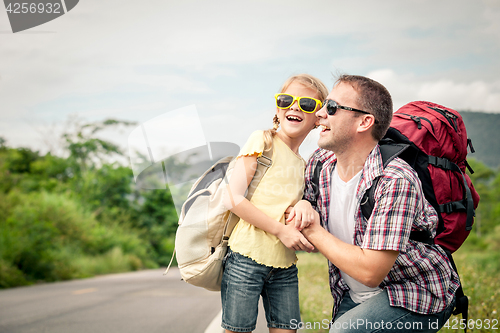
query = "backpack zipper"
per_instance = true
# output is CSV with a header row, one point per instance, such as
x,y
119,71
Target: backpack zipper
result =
x,y
449,116
417,120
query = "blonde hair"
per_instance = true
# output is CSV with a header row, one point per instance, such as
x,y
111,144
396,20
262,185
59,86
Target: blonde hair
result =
x,y
308,81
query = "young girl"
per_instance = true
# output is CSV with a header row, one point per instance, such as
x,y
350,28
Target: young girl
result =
x,y
261,259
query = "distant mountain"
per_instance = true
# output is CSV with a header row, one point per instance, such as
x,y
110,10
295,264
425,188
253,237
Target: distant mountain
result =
x,y
484,130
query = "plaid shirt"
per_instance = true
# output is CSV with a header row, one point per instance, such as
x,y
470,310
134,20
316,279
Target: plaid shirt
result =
x,y
422,279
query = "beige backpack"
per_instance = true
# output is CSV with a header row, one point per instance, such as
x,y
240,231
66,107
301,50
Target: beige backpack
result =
x,y
205,224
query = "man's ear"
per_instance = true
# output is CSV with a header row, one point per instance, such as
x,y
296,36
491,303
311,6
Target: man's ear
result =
x,y
366,122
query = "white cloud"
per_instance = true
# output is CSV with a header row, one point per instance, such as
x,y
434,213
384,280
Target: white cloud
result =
x,y
475,96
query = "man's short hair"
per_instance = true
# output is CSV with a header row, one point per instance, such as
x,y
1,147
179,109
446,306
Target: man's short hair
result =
x,y
374,98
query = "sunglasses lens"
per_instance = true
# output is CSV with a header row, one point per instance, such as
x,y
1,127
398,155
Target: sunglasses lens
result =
x,y
284,101
307,104
331,107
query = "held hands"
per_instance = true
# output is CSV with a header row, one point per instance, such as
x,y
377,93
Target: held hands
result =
x,y
297,218
293,239
303,214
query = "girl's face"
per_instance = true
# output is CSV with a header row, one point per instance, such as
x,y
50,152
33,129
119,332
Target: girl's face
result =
x,y
293,121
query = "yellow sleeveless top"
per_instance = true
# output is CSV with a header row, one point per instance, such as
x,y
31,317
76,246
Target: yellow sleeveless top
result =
x,y
281,186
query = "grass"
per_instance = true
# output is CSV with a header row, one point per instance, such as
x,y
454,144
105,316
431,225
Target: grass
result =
x,y
479,271
314,291
113,261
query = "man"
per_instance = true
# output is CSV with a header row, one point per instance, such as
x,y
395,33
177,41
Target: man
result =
x,y
379,279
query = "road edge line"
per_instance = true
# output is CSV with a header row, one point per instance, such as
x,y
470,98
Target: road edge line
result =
x,y
214,326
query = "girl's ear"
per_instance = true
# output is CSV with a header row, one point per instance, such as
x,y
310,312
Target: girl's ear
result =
x,y
316,124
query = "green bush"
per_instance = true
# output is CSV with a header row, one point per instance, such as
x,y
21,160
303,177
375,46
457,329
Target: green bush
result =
x,y
47,237
80,215
10,276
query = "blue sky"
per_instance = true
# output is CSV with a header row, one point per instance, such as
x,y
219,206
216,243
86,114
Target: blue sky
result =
x,y
139,60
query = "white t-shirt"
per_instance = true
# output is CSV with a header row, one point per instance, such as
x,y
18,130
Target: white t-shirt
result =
x,y
341,223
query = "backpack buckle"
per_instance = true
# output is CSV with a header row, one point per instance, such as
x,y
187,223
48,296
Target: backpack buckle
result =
x,y
446,208
440,162
269,161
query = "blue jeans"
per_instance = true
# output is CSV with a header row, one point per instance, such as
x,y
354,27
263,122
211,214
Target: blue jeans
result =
x,y
244,281
376,315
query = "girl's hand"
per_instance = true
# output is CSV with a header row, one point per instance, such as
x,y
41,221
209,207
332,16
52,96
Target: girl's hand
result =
x,y
288,211
293,239
303,213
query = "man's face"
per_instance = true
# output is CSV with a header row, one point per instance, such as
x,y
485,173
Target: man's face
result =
x,y
338,131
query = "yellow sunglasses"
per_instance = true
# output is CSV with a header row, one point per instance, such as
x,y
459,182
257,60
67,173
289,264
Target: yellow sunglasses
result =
x,y
306,104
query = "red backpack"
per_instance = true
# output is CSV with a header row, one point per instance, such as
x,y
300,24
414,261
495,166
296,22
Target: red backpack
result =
x,y
433,140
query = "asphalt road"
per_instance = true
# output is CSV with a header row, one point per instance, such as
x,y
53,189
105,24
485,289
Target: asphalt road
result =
x,y
144,301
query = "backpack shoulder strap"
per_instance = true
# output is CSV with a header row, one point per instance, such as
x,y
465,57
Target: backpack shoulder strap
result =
x,y
315,177
264,162
389,151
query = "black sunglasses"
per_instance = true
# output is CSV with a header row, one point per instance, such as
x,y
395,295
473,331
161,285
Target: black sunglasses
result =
x,y
332,106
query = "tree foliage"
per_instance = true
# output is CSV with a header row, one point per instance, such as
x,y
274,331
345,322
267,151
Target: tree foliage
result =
x,y
487,183
78,215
